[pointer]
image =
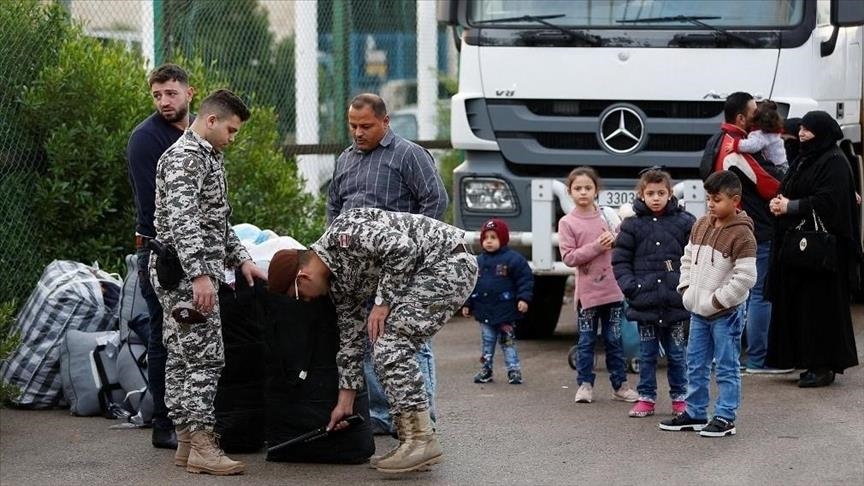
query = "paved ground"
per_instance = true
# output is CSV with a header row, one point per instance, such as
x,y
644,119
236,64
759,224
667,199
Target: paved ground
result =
x,y
503,434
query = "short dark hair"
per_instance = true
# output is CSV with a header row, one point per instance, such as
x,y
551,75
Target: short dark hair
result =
x,y
654,176
370,99
222,102
583,171
723,182
766,117
168,72
736,104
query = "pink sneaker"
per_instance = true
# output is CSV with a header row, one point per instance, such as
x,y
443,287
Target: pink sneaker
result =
x,y
642,408
678,406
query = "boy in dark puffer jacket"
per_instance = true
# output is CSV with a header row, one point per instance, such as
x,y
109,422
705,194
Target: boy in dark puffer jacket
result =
x,y
647,261
504,289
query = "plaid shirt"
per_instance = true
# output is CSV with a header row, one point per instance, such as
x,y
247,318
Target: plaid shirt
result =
x,y
398,175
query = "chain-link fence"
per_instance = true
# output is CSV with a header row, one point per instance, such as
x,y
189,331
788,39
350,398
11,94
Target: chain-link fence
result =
x,y
273,50
304,58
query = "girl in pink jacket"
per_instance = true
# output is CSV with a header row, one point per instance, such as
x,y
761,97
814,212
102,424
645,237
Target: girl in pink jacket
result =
x,y
586,240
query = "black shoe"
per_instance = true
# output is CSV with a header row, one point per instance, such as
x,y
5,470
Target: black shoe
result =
x,y
683,423
817,378
484,376
164,438
514,377
718,427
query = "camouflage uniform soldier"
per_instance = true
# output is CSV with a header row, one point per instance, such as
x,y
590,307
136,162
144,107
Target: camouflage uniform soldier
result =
x,y
191,216
420,273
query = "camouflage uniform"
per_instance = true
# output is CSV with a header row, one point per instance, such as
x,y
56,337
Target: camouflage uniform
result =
x,y
409,261
192,213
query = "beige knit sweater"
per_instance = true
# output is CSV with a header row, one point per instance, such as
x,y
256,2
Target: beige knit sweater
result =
x,y
718,267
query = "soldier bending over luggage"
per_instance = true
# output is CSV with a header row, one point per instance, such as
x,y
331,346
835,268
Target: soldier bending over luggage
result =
x,y
420,273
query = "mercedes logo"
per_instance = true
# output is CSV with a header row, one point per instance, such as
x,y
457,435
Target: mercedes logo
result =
x,y
622,130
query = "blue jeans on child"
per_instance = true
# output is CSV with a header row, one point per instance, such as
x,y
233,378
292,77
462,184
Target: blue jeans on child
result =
x,y
609,316
492,334
717,340
379,409
672,337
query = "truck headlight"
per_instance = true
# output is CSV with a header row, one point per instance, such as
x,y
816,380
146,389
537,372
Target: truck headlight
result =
x,y
488,194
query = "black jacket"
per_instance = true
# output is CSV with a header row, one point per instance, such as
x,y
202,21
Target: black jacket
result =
x,y
647,262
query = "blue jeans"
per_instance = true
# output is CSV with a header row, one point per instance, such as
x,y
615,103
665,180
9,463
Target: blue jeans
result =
x,y
609,316
759,310
493,334
718,340
672,337
379,409
157,355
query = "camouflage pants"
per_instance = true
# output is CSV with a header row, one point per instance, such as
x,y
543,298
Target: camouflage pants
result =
x,y
433,295
196,356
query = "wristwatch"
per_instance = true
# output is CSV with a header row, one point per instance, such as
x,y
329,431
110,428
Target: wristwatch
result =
x,y
379,300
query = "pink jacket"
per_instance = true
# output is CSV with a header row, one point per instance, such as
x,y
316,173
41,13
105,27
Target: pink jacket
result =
x,y
595,281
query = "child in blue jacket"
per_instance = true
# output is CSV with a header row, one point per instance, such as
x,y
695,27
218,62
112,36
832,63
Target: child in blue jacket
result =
x,y
504,288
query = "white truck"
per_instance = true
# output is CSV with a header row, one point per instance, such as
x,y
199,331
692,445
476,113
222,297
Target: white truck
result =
x,y
548,85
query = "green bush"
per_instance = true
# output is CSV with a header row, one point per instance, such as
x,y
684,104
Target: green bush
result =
x,y
9,341
31,34
85,105
265,190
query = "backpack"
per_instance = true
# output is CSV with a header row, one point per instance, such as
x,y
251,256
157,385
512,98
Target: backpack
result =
x,y
709,156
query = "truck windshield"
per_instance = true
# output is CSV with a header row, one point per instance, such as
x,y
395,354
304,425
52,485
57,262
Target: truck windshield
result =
x,y
608,14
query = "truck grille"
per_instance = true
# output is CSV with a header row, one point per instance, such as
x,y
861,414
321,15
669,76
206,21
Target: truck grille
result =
x,y
653,109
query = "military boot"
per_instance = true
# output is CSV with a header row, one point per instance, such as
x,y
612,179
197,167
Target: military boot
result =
x,y
184,438
207,457
420,450
403,429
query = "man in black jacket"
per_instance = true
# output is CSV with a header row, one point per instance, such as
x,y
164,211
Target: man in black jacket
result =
x,y
169,87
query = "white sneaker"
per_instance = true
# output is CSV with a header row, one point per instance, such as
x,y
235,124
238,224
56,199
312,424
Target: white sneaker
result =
x,y
769,371
625,394
585,393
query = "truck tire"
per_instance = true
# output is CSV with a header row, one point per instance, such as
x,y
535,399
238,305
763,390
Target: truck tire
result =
x,y
543,313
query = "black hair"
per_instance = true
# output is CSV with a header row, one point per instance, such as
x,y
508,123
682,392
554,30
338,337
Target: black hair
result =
x,y
736,104
369,99
223,102
168,72
723,182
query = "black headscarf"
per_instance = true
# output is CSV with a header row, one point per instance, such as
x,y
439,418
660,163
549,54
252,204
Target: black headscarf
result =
x,y
825,129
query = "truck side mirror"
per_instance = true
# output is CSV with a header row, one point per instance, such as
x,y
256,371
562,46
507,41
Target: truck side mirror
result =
x,y
847,13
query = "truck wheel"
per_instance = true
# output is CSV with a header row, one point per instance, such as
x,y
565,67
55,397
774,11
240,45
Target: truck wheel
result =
x,y
543,313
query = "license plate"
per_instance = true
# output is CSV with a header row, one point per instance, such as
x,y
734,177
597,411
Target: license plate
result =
x,y
616,198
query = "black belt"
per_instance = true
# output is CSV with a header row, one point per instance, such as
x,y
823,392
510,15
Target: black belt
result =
x,y
460,248
141,241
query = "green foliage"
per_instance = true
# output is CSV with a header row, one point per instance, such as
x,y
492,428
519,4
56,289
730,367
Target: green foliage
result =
x,y
265,190
85,105
32,33
9,341
235,38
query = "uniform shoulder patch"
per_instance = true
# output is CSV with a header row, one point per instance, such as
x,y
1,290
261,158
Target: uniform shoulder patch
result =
x,y
344,240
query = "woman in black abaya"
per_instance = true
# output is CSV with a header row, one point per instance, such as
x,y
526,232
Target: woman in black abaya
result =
x,y
811,321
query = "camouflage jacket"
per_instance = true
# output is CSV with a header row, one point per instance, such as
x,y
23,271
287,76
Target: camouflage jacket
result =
x,y
374,252
192,208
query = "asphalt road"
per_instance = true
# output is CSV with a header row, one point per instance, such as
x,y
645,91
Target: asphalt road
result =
x,y
505,434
